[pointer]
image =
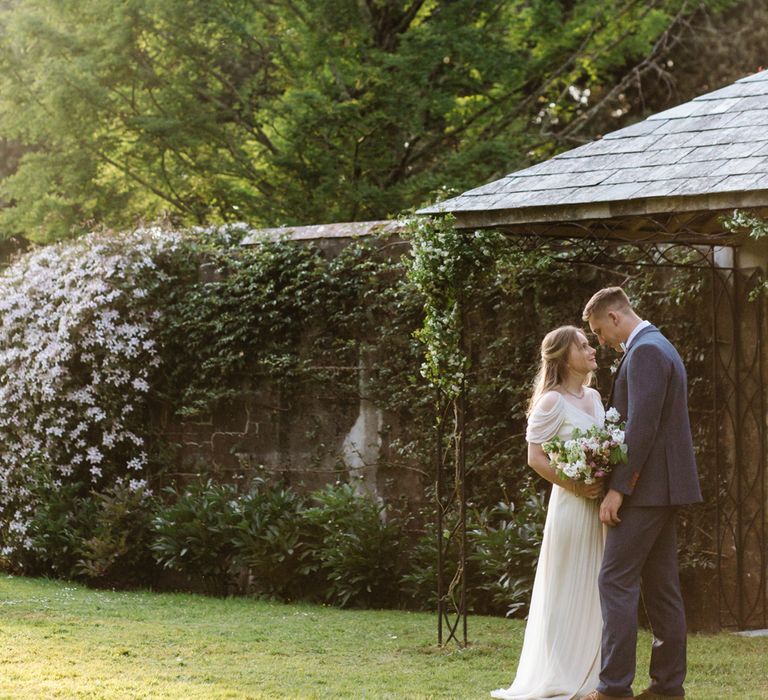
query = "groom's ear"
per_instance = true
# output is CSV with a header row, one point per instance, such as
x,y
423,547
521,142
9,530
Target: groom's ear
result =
x,y
614,317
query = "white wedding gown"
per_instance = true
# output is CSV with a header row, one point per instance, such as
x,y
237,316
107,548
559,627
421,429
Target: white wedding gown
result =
x,y
561,650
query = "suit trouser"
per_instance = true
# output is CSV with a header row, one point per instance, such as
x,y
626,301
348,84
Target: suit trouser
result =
x,y
642,551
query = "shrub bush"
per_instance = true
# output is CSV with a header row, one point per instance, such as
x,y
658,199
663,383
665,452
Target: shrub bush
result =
x,y
271,539
118,553
359,546
194,533
63,517
505,543
418,581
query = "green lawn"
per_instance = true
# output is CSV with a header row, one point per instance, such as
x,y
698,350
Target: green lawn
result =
x,y
60,640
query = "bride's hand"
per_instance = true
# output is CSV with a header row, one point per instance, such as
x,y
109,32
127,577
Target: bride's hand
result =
x,y
590,491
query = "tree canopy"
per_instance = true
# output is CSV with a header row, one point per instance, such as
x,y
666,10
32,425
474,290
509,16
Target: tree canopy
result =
x,y
300,111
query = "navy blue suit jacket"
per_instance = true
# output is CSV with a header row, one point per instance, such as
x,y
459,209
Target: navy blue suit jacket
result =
x,y
651,393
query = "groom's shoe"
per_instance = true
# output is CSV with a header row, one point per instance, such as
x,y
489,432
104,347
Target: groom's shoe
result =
x,y
648,694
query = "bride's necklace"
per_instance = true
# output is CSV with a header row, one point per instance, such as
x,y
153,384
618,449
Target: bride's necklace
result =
x,y
578,396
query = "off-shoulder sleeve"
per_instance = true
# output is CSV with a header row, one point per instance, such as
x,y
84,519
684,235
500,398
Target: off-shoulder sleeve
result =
x,y
543,425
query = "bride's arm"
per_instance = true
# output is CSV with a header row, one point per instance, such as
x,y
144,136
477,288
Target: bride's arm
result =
x,y
539,462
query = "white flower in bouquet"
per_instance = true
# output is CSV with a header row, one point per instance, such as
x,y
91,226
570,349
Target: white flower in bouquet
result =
x,y
589,455
612,415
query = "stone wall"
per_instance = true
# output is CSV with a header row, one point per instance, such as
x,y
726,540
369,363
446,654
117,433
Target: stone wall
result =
x,y
307,439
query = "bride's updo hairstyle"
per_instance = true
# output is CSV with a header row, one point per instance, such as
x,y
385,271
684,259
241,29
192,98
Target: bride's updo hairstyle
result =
x,y
554,361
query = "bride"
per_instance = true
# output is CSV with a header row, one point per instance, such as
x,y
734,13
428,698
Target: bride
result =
x,y
561,650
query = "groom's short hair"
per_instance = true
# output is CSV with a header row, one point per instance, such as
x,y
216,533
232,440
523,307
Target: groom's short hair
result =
x,y
607,299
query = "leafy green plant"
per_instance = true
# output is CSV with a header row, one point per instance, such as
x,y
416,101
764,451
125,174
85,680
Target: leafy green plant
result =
x,y
503,548
193,322
418,581
118,554
271,539
505,544
63,518
359,551
79,358
444,264
193,534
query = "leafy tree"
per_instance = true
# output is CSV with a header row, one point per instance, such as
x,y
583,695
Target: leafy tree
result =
x,y
297,111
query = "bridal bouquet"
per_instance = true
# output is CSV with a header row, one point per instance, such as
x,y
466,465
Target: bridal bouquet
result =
x,y
589,454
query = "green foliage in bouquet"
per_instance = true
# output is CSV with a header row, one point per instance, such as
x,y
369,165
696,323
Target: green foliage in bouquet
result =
x,y
589,454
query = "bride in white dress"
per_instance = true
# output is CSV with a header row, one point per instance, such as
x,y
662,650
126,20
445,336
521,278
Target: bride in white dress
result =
x,y
561,650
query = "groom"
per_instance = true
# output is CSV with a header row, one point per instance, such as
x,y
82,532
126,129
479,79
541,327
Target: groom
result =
x,y
650,393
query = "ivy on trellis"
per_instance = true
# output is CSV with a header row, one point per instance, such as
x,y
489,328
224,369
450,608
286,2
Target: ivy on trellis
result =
x,y
445,264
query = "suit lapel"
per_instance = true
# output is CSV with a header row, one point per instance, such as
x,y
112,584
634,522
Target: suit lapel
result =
x,y
645,330
615,376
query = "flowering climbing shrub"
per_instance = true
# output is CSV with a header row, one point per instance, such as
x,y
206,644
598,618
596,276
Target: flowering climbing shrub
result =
x,y
77,354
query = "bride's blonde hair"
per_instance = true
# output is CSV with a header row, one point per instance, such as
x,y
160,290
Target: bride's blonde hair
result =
x,y
554,361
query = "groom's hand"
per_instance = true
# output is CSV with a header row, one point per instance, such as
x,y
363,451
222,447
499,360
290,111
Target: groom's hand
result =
x,y
609,508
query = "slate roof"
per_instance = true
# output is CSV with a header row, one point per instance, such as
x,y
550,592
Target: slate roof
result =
x,y
352,229
714,147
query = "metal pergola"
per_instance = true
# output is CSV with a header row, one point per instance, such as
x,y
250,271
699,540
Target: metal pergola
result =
x,y
735,414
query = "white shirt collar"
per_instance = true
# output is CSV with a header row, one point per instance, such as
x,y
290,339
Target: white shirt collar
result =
x,y
635,331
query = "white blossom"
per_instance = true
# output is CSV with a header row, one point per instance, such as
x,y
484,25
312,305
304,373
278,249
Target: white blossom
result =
x,y
136,484
78,344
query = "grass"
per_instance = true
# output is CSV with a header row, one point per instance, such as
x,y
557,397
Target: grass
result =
x,y
59,640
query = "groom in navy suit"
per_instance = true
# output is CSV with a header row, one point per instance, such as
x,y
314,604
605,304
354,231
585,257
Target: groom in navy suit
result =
x,y
650,393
